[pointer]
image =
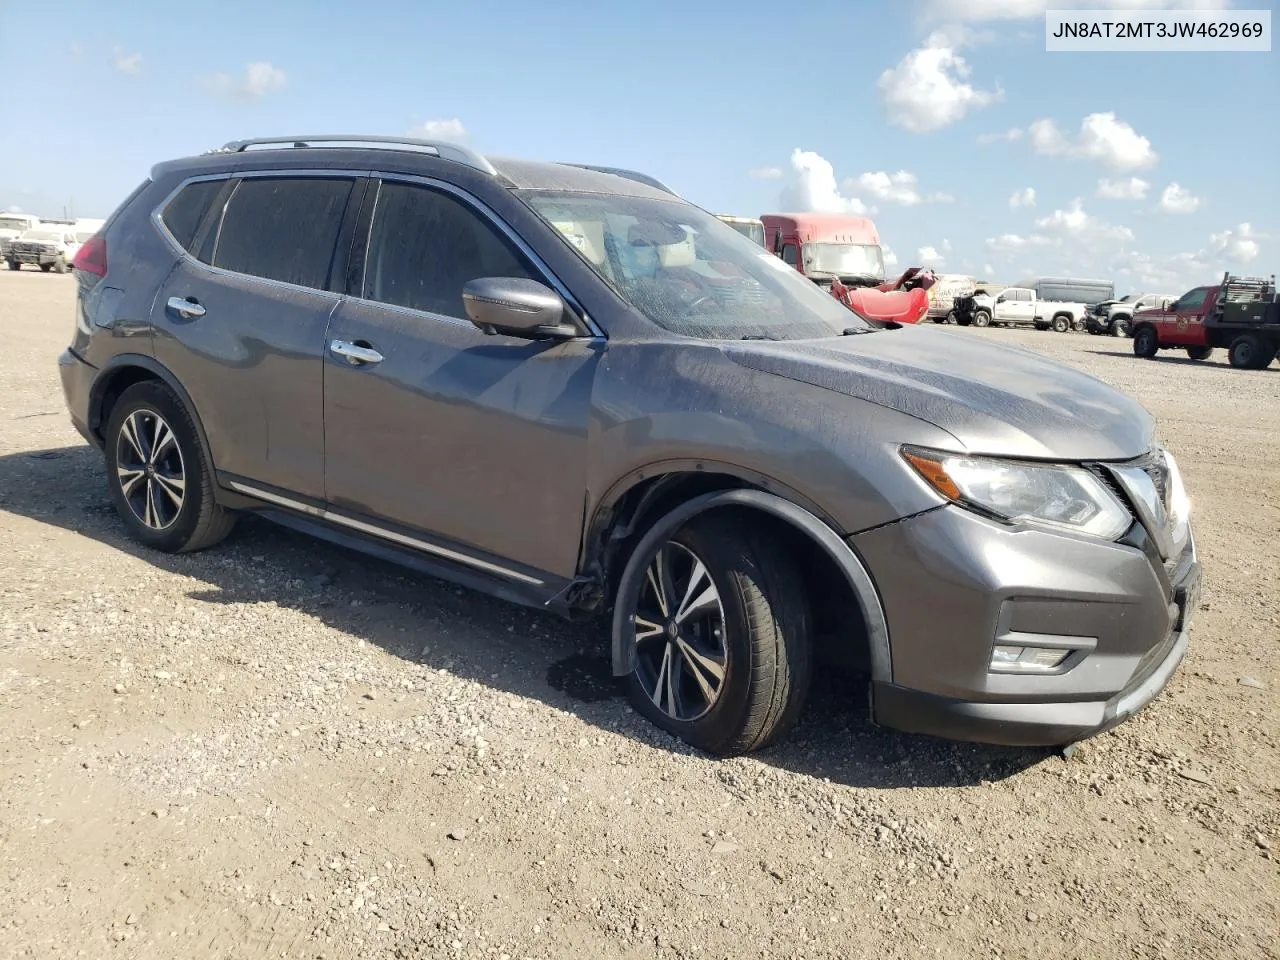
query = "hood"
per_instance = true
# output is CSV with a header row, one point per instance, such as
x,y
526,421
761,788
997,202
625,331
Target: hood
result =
x,y
994,399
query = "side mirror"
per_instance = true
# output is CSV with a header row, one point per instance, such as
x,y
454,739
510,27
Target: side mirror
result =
x,y
1001,299
516,307
1166,304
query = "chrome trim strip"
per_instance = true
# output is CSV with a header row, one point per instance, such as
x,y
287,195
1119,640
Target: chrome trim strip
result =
x,y
381,532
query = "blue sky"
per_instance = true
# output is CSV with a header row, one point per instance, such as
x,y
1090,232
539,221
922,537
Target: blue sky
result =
x,y
929,114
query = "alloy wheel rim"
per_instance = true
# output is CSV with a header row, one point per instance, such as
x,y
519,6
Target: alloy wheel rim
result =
x,y
150,469
681,653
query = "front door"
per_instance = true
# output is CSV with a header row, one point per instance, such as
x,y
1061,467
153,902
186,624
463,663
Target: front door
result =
x,y
1182,321
243,331
477,440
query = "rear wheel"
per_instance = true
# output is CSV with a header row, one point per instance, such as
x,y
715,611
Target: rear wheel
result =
x,y
1199,353
1250,351
1061,323
46,267
981,318
720,625
157,475
1146,342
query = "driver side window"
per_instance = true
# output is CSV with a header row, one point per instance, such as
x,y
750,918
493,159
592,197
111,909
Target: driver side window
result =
x,y
789,254
424,245
1190,301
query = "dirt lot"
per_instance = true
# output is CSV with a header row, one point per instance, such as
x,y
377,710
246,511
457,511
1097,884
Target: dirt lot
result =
x,y
279,749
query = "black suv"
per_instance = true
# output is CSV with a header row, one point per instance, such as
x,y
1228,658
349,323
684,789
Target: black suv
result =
x,y
571,388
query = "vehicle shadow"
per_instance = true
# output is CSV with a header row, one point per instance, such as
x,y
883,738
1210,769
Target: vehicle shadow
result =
x,y
1217,362
514,649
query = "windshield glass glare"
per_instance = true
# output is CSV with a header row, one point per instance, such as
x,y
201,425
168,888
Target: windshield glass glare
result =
x,y
690,272
844,259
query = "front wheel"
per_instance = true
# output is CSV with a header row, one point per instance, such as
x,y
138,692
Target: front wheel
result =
x,y
1199,353
159,480
720,623
1146,342
1060,324
60,265
1120,327
14,264
981,318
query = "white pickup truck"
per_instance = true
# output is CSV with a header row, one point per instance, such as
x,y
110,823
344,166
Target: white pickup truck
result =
x,y
1020,306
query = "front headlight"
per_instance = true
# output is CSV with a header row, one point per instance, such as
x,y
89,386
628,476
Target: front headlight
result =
x,y
1179,505
1052,495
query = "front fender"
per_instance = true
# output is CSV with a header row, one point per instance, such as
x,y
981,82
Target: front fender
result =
x,y
849,563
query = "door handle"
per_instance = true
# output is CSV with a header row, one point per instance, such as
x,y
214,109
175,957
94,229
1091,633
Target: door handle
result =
x,y
355,353
186,307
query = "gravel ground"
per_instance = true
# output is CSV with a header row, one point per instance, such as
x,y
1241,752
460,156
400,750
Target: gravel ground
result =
x,y
279,749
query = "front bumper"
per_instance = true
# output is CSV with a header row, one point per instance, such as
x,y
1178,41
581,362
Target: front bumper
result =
x,y
37,257
954,584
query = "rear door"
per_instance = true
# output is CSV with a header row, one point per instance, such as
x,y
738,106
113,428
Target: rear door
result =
x,y
479,442
241,320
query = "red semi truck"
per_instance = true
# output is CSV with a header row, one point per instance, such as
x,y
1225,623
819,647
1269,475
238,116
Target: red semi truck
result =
x,y
1240,313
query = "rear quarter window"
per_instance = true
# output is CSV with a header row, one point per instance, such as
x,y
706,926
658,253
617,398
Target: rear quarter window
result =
x,y
183,214
283,228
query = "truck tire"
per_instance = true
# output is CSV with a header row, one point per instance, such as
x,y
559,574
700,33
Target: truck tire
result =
x,y
1199,353
1120,327
1250,351
1146,342
60,265
14,264
981,318
1061,323
46,267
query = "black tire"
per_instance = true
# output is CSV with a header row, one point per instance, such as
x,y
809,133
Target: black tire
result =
x,y
1120,327
198,521
764,638
1250,351
46,267
1146,342
1061,323
14,264
60,265
1199,353
981,318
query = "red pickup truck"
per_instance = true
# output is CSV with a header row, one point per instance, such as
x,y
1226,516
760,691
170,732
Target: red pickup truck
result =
x,y
1240,313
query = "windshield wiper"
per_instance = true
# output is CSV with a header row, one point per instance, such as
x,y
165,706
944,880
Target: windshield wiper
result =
x,y
854,331
760,336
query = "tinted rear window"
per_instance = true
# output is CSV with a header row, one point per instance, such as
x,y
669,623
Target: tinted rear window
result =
x,y
184,212
283,228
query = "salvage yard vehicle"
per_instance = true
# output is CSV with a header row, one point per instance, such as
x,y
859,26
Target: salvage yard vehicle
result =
x,y
1018,306
943,294
1115,317
827,246
50,246
13,225
1071,289
574,390
1240,313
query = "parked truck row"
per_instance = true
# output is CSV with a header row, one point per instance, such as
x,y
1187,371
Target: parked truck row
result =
x,y
51,245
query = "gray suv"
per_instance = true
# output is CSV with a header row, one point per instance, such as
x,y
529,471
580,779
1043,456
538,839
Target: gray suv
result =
x,y
567,387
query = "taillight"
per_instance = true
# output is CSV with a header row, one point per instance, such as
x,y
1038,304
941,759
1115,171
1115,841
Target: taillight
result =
x,y
92,256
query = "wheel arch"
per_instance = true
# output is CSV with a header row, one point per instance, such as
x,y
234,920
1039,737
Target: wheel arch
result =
x,y
795,520
122,372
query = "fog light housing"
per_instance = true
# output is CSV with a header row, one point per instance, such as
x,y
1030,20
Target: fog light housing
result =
x,y
1011,659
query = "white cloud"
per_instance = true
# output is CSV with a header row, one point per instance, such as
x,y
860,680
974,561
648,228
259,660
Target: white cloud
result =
x,y
1026,197
1075,224
1012,242
928,255
890,258
1237,246
127,63
928,89
14,208
1102,137
451,129
259,79
1178,199
982,10
1130,189
765,173
899,188
1007,136
813,187
988,270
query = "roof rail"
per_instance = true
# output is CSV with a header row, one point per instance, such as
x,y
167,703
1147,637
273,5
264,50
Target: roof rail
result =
x,y
628,175
441,148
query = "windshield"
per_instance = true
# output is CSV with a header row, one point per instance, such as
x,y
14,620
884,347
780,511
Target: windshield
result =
x,y
752,231
84,235
46,236
691,273
8,223
844,259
